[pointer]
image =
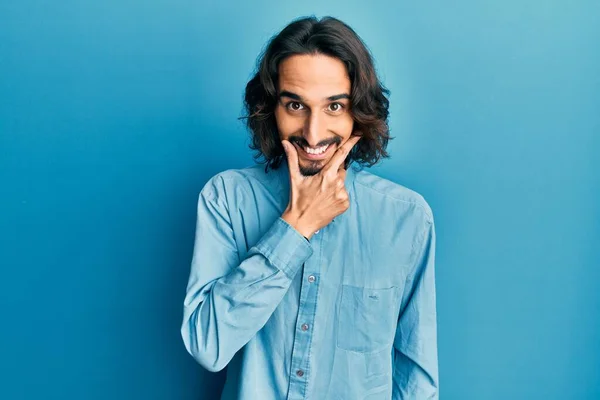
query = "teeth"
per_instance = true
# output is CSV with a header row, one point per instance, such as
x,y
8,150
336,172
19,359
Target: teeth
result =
x,y
318,150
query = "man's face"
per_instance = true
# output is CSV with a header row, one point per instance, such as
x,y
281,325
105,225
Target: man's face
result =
x,y
313,108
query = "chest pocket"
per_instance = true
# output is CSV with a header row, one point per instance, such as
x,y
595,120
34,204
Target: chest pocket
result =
x,y
367,318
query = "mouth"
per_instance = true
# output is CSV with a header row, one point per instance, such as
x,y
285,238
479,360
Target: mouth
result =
x,y
320,153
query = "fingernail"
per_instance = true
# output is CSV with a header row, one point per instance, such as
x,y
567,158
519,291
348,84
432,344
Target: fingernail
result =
x,y
284,147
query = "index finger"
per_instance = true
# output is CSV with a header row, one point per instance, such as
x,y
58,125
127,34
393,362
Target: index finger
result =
x,y
341,153
292,158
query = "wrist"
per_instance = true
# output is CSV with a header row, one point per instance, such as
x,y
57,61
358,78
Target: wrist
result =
x,y
297,223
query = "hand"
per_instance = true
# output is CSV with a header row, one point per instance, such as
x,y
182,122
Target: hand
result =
x,y
316,200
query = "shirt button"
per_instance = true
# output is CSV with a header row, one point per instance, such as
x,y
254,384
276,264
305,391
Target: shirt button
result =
x,y
300,373
311,278
304,327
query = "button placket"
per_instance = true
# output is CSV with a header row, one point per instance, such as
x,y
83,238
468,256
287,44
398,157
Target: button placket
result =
x,y
301,353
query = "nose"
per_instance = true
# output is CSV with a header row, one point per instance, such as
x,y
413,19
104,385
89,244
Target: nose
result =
x,y
314,129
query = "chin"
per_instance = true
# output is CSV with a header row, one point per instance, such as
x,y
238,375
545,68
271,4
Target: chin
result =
x,y
311,169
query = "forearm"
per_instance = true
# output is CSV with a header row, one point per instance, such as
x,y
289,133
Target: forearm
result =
x,y
411,381
222,315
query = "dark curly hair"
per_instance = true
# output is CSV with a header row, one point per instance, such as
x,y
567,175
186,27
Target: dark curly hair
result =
x,y
368,98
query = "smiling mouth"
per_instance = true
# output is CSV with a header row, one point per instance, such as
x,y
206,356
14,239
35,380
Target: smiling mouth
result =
x,y
319,153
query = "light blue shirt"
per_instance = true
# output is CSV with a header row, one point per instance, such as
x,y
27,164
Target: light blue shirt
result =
x,y
350,314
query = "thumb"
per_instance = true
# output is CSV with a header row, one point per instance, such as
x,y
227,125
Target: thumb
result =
x,y
292,158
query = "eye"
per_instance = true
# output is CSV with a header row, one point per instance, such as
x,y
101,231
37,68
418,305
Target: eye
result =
x,y
294,106
336,107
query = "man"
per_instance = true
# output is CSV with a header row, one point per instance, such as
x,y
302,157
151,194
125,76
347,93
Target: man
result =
x,y
311,279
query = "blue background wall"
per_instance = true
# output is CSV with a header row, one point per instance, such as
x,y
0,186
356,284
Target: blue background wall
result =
x,y
113,114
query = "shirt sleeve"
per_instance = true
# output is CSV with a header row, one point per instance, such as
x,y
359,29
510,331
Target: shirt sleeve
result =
x,y
415,345
229,300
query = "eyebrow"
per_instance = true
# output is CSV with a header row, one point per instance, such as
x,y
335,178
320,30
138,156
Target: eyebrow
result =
x,y
294,96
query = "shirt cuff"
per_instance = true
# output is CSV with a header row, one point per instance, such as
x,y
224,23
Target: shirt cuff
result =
x,y
285,247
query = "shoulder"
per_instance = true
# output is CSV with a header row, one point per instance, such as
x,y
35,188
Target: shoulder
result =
x,y
236,179
388,191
